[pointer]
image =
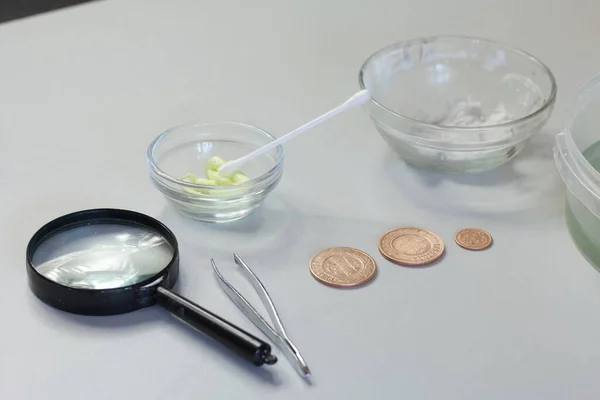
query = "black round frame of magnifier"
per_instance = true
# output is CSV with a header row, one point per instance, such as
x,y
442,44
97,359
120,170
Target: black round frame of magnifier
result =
x,y
106,301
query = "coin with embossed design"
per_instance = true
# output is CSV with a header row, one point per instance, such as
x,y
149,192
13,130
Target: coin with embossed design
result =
x,y
343,267
414,247
473,239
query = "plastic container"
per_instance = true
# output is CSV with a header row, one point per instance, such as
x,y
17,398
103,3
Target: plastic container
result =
x,y
577,156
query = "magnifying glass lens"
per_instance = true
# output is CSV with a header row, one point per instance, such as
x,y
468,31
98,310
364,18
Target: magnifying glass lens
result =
x,y
102,256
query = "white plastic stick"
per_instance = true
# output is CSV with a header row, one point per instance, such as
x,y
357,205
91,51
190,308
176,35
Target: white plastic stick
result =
x,y
356,100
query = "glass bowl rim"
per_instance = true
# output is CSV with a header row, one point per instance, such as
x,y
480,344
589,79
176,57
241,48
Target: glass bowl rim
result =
x,y
279,156
464,38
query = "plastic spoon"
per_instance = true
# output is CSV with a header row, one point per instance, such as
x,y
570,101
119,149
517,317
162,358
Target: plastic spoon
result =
x,y
357,99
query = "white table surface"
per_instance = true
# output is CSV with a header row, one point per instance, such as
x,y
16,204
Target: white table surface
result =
x,y
84,90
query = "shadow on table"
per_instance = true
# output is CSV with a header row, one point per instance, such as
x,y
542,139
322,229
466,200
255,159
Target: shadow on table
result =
x,y
270,228
156,315
527,183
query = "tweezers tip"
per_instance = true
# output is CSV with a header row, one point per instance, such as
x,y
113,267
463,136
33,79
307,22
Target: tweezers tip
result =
x,y
306,373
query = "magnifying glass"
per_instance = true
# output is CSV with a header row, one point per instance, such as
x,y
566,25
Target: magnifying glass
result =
x,y
112,261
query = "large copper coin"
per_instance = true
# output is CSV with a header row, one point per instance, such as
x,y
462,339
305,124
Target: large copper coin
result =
x,y
473,239
411,246
343,267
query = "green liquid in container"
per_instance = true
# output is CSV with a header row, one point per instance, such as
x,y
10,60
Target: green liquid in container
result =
x,y
584,225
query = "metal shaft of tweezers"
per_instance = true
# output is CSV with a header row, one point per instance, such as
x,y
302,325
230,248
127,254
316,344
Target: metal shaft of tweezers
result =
x,y
277,334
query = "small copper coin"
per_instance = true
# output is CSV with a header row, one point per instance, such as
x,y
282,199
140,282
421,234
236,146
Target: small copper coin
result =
x,y
343,267
473,239
414,247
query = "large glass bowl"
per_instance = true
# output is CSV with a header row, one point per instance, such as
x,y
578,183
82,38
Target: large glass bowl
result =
x,y
186,149
457,104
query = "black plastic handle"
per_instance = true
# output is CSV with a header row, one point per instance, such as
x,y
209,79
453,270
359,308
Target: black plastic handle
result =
x,y
236,339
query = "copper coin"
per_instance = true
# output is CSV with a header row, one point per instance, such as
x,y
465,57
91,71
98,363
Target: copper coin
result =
x,y
413,247
473,239
343,267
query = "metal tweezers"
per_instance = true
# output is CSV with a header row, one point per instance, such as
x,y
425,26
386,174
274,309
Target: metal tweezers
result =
x,y
276,334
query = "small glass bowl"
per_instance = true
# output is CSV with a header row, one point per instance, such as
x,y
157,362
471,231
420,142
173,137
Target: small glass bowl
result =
x,y
186,149
457,104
